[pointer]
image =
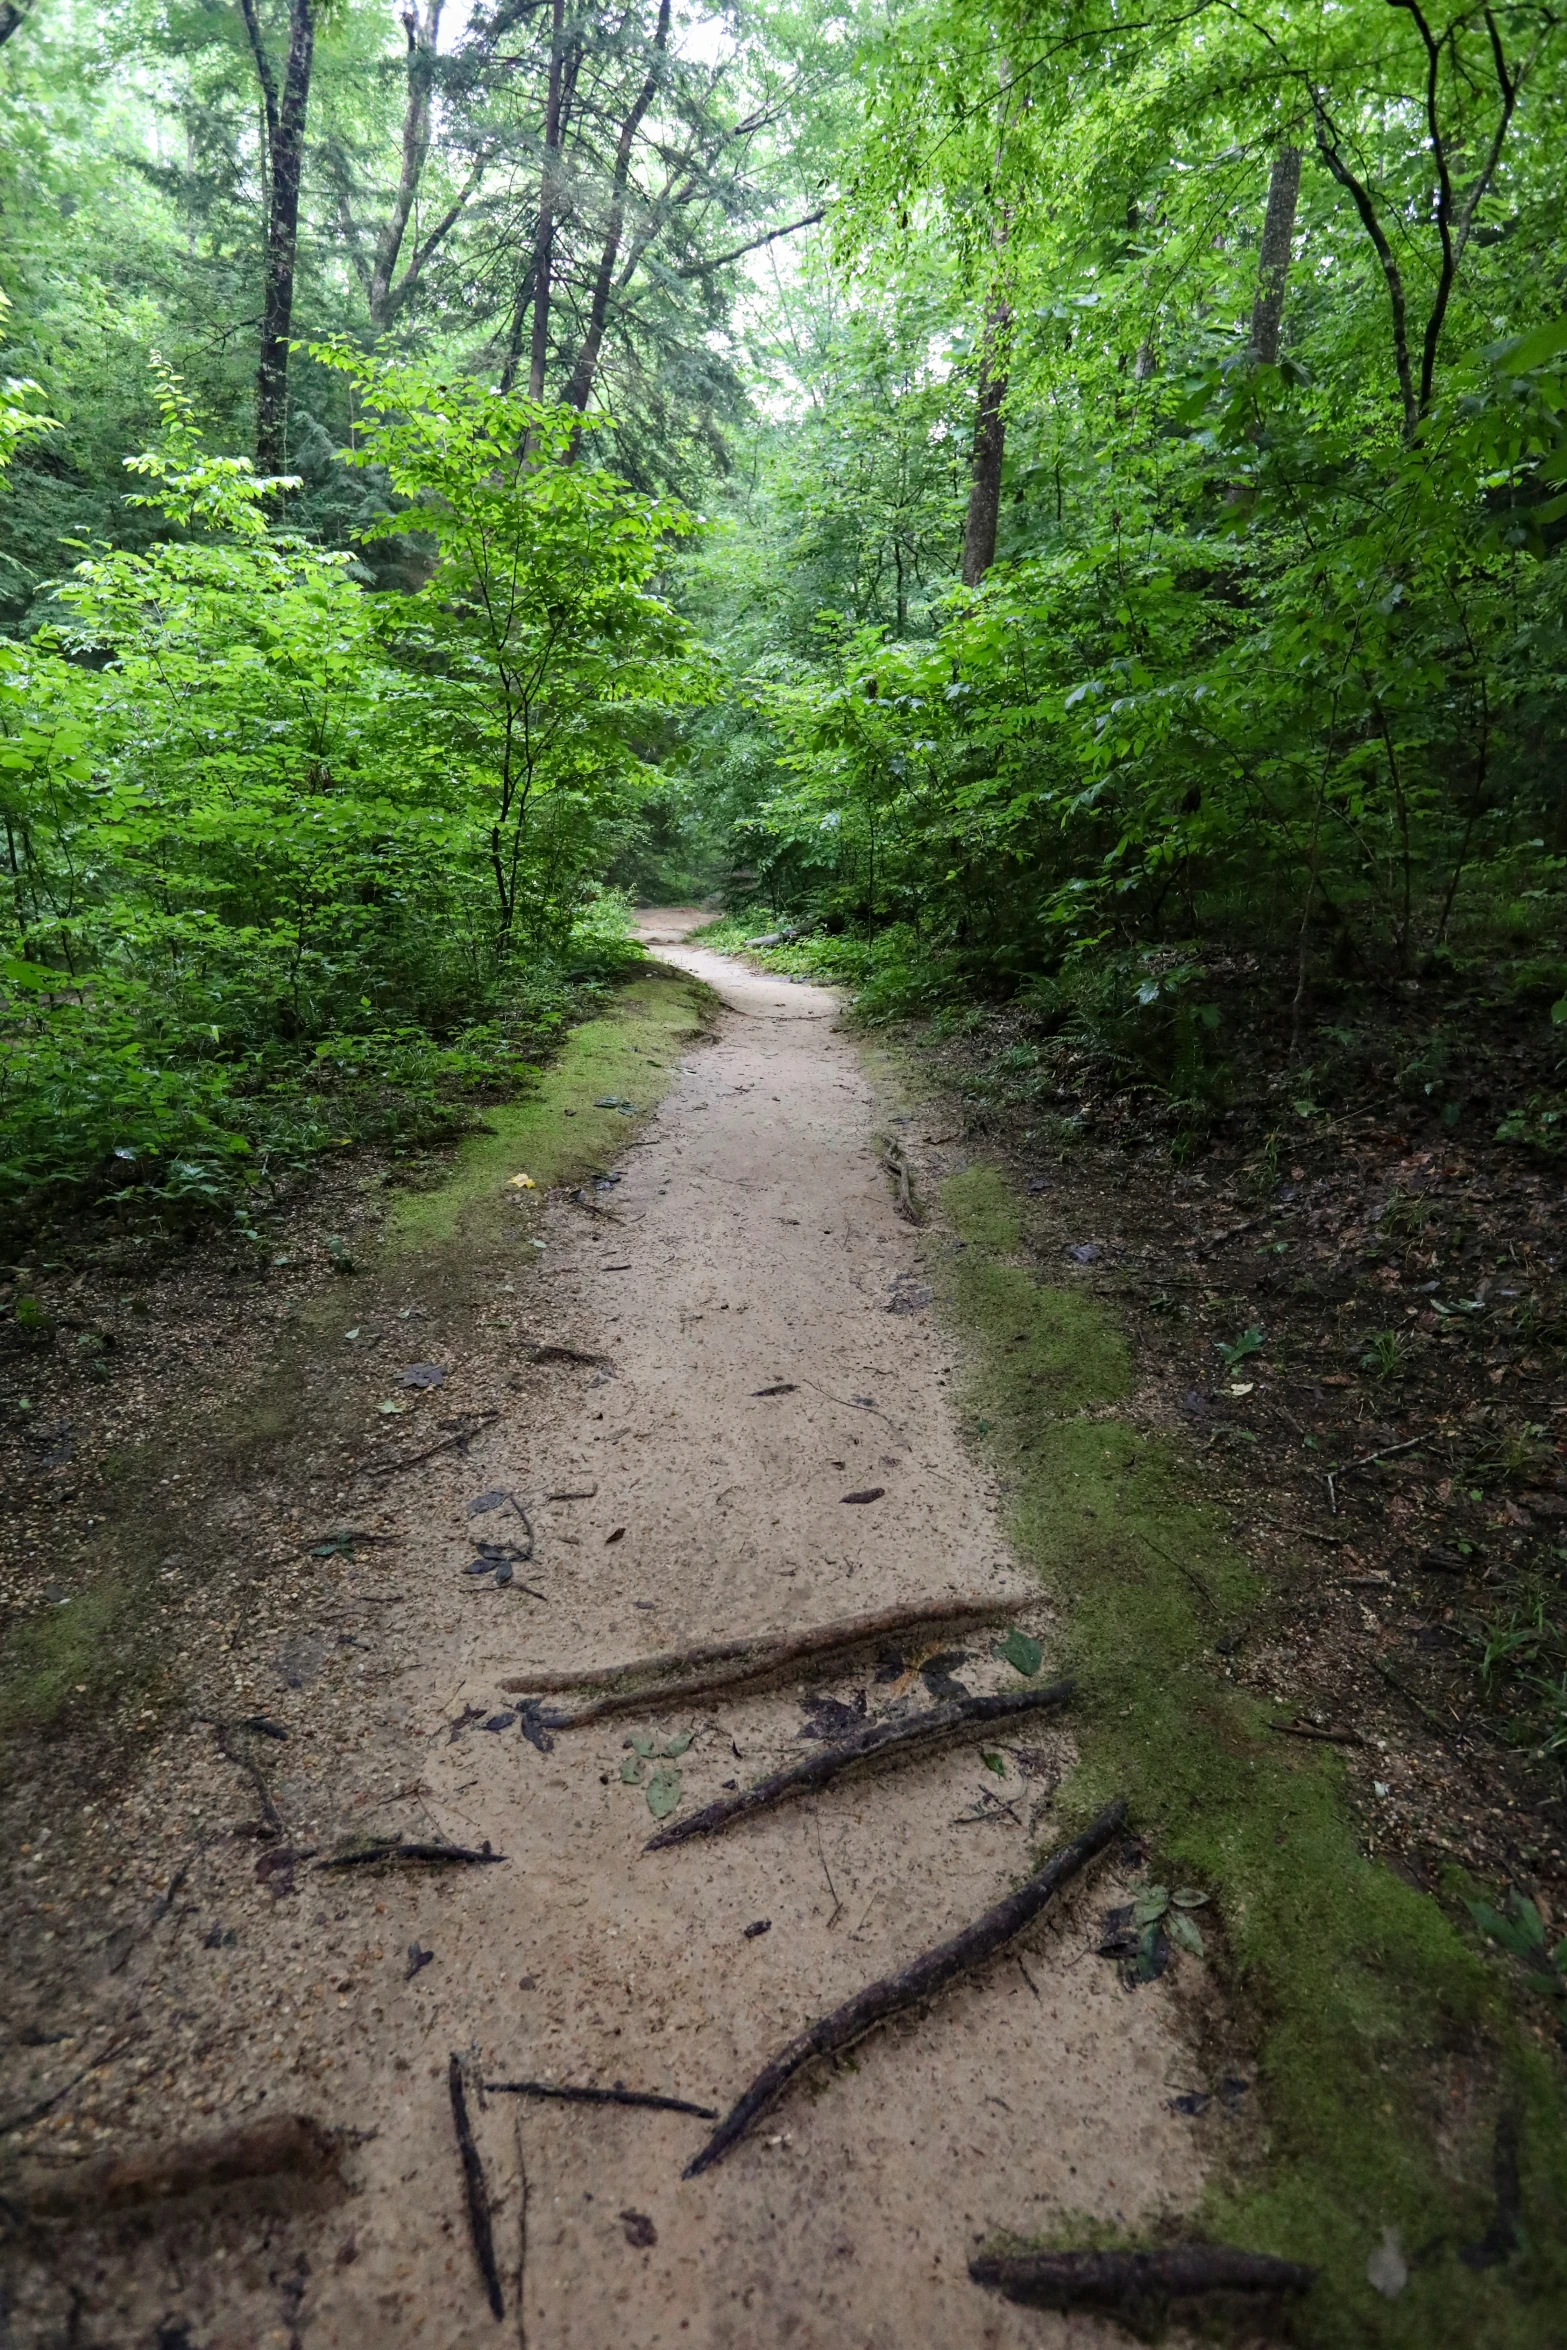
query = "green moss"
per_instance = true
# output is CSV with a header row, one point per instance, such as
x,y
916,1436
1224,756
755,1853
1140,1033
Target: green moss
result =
x,y
558,1132
73,1658
1363,1993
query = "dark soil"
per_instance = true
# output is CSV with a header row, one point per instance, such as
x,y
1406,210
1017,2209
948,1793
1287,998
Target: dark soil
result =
x,y
1389,1433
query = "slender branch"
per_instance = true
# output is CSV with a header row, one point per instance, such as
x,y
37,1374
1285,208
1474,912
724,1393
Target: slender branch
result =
x,y
1359,196
736,252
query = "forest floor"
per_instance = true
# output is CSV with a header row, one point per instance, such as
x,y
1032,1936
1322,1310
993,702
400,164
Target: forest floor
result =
x,y
296,1554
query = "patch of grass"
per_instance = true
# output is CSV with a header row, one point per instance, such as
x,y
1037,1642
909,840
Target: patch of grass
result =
x,y
79,1657
558,1131
1363,1992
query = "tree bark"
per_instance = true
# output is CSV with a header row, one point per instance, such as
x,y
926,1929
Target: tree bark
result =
x,y
1278,235
423,33
12,14
989,454
582,374
285,139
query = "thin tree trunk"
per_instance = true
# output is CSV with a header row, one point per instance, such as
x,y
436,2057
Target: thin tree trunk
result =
x,y
581,382
989,454
990,425
1278,236
285,121
423,34
12,14
544,239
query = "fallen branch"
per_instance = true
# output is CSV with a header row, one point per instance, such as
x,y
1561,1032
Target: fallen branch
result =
x,y
477,2190
1121,2280
929,1974
901,1739
1327,1737
727,1663
619,2095
393,1849
292,2143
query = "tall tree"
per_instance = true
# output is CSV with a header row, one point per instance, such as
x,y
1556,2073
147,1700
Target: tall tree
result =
x,y
285,147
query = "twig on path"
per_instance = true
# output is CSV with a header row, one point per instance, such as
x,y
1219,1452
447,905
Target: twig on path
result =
x,y
106,2055
928,1974
477,2189
1386,1454
897,1166
473,1424
393,1849
247,1763
522,2235
1309,1730
290,2143
1124,2280
837,1905
899,1739
619,2095
728,1663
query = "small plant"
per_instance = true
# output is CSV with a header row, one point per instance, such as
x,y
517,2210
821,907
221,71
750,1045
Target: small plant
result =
x,y
1527,1656
1236,1350
1387,1354
662,1785
1519,1927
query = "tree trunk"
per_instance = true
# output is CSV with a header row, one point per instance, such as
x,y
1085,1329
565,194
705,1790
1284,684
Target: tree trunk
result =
x,y
990,448
1278,233
423,33
12,13
285,123
544,238
581,383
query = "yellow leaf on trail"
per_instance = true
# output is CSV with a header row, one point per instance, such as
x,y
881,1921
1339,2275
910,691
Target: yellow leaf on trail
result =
x,y
523,1183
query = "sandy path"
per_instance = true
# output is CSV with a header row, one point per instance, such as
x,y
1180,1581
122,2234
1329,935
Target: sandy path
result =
x,y
756,1244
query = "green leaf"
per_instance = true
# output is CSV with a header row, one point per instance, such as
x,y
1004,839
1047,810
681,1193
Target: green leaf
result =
x,y
1182,1930
1150,1905
1518,355
644,1746
631,1770
1188,1897
1023,1654
663,1792
993,1762
674,1746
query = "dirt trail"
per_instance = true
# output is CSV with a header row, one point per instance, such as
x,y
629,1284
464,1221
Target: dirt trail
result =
x,y
754,1244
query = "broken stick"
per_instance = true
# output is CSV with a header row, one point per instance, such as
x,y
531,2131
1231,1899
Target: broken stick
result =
x,y
291,2143
929,1973
1123,2280
619,2095
392,1848
900,1739
477,2190
728,1664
